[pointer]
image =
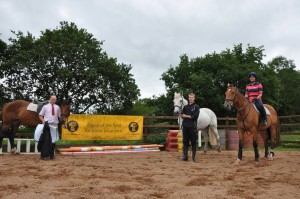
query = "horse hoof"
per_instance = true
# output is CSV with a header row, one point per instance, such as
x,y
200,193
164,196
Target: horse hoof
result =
x,y
14,151
270,157
256,162
238,161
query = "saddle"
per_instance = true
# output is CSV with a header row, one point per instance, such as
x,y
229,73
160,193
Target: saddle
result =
x,y
267,110
36,106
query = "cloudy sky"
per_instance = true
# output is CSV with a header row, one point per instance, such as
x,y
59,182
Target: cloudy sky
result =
x,y
152,34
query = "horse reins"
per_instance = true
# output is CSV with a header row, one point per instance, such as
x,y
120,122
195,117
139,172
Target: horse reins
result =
x,y
239,109
180,107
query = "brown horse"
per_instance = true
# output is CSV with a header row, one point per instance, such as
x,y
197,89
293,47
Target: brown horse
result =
x,y
15,113
248,120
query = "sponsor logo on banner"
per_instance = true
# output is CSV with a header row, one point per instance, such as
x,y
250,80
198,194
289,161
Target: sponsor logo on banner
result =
x,y
133,127
72,126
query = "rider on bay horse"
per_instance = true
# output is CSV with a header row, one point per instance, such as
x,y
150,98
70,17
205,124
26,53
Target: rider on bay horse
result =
x,y
254,92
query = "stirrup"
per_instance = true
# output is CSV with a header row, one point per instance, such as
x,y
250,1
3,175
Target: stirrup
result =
x,y
265,122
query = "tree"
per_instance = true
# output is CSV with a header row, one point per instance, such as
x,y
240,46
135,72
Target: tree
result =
x,y
289,78
68,61
143,107
208,76
3,98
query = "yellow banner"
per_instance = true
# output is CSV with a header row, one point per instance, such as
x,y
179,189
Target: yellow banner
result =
x,y
103,127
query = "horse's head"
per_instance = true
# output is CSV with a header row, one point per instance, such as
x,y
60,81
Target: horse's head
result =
x,y
65,107
230,96
179,103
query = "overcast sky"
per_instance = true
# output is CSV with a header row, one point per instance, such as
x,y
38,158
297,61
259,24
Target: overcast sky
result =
x,y
152,34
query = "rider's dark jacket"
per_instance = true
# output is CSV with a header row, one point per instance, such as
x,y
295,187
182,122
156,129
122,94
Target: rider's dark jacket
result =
x,y
192,110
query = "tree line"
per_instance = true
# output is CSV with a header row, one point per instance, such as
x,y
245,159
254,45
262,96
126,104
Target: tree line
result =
x,y
207,77
67,62
70,62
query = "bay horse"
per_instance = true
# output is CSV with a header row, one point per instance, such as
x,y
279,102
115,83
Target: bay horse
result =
x,y
206,122
248,121
15,113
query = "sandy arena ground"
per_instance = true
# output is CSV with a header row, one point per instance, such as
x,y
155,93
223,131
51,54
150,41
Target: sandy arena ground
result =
x,y
150,175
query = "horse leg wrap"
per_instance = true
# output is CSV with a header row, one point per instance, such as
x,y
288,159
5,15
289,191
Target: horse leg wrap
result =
x,y
271,155
238,161
14,150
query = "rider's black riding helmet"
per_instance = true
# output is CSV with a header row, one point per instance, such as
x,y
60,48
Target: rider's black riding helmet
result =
x,y
252,73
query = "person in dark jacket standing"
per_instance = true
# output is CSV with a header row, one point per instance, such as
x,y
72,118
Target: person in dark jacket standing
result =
x,y
189,115
50,113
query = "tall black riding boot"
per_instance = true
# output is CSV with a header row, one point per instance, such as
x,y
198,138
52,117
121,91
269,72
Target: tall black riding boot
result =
x,y
194,149
264,116
184,153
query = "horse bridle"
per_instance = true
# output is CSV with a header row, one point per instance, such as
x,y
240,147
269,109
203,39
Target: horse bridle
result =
x,y
66,122
233,100
180,107
239,109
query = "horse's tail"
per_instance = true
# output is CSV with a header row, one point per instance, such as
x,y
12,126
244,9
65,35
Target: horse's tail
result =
x,y
212,136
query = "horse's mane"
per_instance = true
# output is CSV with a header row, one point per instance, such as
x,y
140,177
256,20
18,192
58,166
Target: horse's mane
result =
x,y
240,91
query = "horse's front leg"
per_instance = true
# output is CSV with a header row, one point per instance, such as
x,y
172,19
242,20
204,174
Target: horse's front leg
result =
x,y
240,151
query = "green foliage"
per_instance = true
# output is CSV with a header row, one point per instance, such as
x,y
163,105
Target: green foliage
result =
x,y
289,81
155,139
26,129
142,107
208,76
68,61
3,49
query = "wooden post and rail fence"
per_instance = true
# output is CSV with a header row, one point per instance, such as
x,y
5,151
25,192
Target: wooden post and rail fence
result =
x,y
159,126
288,125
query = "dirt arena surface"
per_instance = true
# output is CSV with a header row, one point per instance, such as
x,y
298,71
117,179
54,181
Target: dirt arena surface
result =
x,y
150,175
